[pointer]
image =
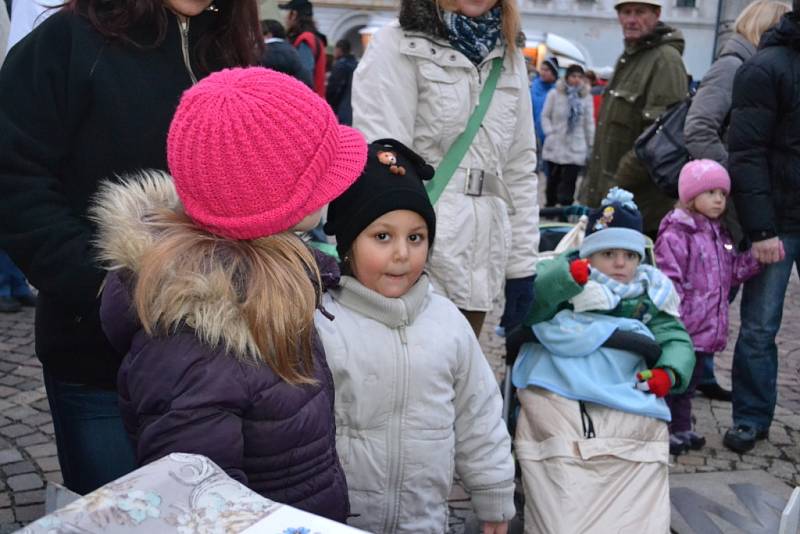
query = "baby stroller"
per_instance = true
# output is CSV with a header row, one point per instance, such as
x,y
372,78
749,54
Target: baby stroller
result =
x,y
556,236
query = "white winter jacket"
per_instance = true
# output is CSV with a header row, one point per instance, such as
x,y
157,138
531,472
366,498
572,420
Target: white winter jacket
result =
x,y
416,402
560,146
421,91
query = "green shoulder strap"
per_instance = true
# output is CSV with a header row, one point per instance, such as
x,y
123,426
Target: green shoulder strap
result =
x,y
458,150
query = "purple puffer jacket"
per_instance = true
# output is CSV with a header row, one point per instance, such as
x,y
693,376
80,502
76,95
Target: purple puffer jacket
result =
x,y
177,394
189,392
700,258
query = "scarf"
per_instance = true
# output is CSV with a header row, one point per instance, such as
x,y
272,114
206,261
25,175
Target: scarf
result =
x,y
575,106
474,37
647,279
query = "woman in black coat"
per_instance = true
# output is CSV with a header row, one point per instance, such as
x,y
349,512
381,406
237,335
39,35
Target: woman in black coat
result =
x,y
89,95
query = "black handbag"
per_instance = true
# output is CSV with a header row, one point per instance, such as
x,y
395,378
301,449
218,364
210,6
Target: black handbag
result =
x,y
662,150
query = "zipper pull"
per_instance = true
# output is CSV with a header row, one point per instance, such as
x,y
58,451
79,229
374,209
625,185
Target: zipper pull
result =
x,y
403,338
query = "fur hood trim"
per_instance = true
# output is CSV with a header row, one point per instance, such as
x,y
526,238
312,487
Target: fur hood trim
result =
x,y
121,211
125,212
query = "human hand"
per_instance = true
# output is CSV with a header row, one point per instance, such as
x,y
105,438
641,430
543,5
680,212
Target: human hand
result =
x,y
579,269
656,381
519,298
490,527
769,250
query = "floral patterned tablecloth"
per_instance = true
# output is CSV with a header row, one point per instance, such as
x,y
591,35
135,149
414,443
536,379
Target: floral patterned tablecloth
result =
x,y
184,494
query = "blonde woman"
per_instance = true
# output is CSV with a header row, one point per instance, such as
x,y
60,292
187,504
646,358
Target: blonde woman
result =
x,y
705,130
419,82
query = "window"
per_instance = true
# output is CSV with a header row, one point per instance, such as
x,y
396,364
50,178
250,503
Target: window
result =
x,y
685,3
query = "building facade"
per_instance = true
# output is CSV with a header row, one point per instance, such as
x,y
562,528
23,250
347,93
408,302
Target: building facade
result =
x,y
591,25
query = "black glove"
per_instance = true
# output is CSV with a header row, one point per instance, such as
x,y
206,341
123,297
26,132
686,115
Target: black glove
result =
x,y
517,337
519,297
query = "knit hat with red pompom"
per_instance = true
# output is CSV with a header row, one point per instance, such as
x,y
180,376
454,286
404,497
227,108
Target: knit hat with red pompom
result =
x,y
253,151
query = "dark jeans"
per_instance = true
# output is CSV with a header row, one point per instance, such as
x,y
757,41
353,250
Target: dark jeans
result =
x,y
93,447
681,405
561,184
708,378
755,358
12,281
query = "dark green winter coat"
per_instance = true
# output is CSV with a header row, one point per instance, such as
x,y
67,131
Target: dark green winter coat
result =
x,y
648,78
554,287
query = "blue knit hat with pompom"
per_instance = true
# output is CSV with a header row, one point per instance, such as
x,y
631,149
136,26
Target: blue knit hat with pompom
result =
x,y
617,223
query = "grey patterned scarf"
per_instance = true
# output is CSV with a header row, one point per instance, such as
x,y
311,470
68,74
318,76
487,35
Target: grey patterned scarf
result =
x,y
575,106
474,37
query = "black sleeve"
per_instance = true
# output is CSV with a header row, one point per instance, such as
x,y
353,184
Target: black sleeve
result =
x,y
629,341
753,117
41,95
337,83
642,345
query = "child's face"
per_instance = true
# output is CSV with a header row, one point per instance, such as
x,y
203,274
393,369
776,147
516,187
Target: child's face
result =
x,y
616,263
711,203
388,255
309,222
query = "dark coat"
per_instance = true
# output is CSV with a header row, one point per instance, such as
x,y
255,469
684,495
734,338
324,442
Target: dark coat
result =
x,y
706,122
75,109
281,56
340,84
764,135
648,78
183,393
706,128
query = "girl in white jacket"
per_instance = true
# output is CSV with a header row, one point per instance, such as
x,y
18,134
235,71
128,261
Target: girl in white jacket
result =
x,y
416,401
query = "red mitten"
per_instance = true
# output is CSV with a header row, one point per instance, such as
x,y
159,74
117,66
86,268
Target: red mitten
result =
x,y
579,269
656,381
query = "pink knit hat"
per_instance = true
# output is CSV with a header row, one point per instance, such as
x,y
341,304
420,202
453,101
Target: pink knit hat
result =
x,y
253,151
702,175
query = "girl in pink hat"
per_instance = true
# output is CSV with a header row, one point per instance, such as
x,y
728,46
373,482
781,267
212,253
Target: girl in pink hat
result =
x,y
211,295
696,251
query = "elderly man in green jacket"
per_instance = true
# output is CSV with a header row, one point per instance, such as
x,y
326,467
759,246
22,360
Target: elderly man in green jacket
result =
x,y
648,78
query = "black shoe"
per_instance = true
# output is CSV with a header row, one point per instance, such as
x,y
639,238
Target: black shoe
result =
x,y
677,446
694,440
9,305
27,300
715,391
742,438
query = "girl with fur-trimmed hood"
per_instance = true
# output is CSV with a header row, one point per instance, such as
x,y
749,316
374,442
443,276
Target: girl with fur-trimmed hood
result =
x,y
212,296
419,82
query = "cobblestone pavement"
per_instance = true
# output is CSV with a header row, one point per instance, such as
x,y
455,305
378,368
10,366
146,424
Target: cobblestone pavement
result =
x,y
28,454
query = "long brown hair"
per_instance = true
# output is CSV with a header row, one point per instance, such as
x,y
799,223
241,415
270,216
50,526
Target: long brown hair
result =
x,y
267,288
234,38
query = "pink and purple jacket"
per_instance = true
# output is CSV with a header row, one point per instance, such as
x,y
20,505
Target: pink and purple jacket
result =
x,y
700,258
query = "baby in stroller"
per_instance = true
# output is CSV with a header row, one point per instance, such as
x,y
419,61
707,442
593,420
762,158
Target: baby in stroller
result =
x,y
592,439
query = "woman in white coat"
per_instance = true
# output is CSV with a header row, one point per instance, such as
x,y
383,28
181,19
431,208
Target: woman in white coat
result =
x,y
568,124
419,82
